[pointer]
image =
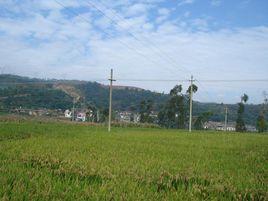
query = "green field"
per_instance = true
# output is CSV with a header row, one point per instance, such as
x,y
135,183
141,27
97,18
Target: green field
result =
x,y
63,161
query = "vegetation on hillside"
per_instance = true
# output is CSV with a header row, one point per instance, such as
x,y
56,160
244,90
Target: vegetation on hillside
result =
x,y
16,91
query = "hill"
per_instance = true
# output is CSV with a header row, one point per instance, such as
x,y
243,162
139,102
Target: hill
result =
x,y
17,91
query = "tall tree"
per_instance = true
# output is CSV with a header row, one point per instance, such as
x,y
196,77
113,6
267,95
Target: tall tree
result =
x,y
173,113
195,88
92,113
261,122
201,119
146,108
240,124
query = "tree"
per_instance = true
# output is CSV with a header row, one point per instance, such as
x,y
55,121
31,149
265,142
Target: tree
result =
x,y
240,124
195,88
201,119
103,114
177,89
173,113
91,113
146,108
244,98
261,123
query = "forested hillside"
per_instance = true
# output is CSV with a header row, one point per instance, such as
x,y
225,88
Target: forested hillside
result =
x,y
17,91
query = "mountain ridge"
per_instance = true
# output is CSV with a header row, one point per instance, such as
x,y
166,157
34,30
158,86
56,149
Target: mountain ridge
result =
x,y
54,94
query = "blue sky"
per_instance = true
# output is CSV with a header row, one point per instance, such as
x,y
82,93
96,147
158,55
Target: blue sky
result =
x,y
149,39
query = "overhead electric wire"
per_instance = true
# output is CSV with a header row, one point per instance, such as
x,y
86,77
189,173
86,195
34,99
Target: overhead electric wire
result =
x,y
148,58
169,59
107,33
150,80
134,49
133,80
244,80
204,88
160,53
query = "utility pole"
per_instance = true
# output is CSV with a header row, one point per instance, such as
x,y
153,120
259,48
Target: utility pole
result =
x,y
110,104
98,116
191,104
226,118
265,104
73,109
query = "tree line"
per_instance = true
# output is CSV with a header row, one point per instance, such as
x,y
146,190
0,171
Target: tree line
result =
x,y
174,113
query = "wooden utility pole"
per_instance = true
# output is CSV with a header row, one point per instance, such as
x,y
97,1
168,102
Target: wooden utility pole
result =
x,y
73,109
191,104
226,119
110,102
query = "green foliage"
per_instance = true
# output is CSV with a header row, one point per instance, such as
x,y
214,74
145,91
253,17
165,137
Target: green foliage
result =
x,y
240,124
261,123
201,119
35,97
146,108
16,91
176,90
244,98
173,113
67,161
195,88
123,99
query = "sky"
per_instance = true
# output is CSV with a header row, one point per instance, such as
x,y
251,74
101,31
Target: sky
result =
x,y
141,40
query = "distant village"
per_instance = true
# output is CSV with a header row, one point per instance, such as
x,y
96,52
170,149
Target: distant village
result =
x,y
82,115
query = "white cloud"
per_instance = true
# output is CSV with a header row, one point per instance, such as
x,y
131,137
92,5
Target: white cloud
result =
x,y
200,24
186,14
137,9
184,2
73,47
163,11
215,2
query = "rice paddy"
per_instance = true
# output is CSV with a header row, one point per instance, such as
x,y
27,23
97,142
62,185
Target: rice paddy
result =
x,y
63,161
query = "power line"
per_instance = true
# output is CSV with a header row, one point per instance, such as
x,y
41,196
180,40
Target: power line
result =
x,y
227,81
136,38
203,87
151,80
159,52
174,80
128,80
107,33
244,80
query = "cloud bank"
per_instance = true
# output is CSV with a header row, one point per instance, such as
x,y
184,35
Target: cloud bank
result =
x,y
140,40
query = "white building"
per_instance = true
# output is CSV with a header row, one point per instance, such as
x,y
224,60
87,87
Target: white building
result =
x,y
81,116
219,126
68,114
